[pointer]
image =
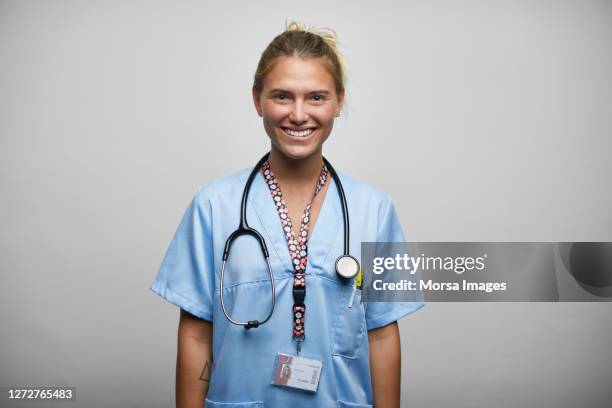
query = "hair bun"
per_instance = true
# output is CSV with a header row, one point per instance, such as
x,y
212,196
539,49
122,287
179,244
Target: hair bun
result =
x,y
307,42
327,34
293,26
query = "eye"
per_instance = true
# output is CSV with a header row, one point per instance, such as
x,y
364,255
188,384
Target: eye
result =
x,y
318,98
280,97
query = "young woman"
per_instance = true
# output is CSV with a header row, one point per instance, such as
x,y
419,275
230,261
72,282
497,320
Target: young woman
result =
x,y
321,346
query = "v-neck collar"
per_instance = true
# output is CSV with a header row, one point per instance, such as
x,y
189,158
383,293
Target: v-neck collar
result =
x,y
303,223
320,242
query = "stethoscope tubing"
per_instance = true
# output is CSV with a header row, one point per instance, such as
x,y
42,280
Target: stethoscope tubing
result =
x,y
345,215
245,229
251,323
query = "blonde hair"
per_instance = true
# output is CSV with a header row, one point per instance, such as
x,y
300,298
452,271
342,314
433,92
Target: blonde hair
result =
x,y
300,41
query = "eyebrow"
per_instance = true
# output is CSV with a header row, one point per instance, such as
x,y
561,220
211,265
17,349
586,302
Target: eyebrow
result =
x,y
320,91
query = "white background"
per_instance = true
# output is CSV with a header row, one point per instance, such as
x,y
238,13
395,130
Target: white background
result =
x,y
483,120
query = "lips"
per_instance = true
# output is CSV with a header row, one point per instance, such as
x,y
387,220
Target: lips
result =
x,y
299,132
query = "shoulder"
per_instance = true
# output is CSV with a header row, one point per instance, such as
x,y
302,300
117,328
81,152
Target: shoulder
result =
x,y
232,185
359,191
374,208
225,187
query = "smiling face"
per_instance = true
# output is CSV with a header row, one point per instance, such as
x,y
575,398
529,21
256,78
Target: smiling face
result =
x,y
298,104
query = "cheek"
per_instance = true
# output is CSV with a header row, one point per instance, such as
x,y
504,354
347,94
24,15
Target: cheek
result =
x,y
273,112
324,115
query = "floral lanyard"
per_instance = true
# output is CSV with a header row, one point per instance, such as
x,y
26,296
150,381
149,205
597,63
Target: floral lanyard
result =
x,y
298,248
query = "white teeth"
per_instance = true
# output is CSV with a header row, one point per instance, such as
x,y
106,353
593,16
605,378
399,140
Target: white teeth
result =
x,y
302,133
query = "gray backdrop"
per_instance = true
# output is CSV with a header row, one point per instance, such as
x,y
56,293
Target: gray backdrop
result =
x,y
484,121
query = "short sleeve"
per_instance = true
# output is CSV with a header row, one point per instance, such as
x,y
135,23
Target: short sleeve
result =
x,y
379,314
186,276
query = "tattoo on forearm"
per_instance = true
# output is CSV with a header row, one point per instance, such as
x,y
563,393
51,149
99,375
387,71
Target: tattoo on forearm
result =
x,y
205,376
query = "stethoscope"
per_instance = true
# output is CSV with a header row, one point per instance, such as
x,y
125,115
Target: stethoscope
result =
x,y
347,266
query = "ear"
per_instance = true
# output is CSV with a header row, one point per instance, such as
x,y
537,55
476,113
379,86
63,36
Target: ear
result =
x,y
340,103
256,102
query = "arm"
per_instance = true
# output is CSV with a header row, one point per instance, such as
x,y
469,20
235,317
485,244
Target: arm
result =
x,y
194,361
385,365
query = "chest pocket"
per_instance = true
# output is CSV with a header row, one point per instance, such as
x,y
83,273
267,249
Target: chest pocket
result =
x,y
349,325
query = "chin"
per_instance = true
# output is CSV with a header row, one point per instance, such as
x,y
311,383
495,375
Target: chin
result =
x,y
298,152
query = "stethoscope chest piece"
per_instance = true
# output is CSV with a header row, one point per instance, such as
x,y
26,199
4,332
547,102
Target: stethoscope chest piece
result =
x,y
347,267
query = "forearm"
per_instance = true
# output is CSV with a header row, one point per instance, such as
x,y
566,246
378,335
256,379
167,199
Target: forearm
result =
x,y
385,365
193,365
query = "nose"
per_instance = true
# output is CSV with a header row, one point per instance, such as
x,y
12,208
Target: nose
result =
x,y
298,113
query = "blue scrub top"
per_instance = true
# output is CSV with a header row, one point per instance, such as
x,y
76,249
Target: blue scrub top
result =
x,y
243,360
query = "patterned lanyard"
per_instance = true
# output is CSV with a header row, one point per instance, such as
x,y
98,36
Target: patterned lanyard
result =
x,y
298,248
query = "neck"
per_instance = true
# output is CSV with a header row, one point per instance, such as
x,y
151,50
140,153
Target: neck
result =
x,y
295,170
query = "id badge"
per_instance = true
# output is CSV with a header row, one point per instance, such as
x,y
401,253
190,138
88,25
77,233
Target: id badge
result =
x,y
297,372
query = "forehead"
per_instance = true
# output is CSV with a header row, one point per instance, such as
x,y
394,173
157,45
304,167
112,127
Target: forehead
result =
x,y
297,74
